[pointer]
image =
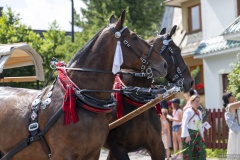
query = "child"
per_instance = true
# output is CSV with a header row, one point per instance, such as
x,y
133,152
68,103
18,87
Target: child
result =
x,y
166,138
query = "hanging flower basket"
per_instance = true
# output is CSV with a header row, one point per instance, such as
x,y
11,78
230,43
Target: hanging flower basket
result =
x,y
200,88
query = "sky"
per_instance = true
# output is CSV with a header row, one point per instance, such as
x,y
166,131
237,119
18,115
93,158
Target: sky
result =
x,y
40,13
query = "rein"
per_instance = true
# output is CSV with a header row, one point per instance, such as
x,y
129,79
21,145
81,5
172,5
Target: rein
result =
x,y
69,103
131,98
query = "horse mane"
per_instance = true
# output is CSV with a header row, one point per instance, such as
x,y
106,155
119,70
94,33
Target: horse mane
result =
x,y
83,52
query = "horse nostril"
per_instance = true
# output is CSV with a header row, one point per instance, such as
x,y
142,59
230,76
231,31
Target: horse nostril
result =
x,y
165,65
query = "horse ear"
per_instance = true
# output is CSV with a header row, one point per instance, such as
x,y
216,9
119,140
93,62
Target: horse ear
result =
x,y
163,31
173,30
112,19
121,20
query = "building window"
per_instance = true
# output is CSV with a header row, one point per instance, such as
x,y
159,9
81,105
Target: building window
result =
x,y
197,73
194,18
225,82
238,7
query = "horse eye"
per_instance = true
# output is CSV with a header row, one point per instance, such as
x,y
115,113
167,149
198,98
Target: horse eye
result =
x,y
134,36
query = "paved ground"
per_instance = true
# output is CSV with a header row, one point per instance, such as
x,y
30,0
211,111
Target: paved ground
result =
x,y
135,155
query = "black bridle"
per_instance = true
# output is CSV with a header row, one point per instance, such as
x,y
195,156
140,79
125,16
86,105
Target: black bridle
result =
x,y
145,65
178,77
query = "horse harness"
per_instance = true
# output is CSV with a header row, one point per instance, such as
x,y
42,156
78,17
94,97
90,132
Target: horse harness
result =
x,y
35,134
177,78
145,65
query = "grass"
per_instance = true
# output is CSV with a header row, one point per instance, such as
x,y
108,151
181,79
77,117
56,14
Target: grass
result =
x,y
213,153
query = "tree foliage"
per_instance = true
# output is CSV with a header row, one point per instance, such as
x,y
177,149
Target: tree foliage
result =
x,y
143,16
234,79
48,46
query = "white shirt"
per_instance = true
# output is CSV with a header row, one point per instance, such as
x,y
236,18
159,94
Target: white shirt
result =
x,y
195,123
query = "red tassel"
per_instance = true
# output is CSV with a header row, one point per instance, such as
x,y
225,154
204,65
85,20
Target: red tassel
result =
x,y
158,109
73,111
65,107
119,105
69,106
118,96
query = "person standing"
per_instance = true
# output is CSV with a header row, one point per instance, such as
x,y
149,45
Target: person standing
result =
x,y
193,142
176,127
187,96
166,135
232,110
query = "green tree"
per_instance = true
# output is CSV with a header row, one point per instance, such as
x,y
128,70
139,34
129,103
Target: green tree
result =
x,y
53,39
143,16
12,31
234,78
54,43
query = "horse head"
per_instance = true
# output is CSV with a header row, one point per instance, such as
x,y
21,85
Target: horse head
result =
x,y
177,71
111,49
137,53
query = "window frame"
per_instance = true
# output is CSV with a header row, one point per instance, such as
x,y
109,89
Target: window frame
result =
x,y
225,82
190,19
238,7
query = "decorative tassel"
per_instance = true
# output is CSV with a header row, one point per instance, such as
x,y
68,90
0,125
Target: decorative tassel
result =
x,y
158,109
73,111
118,58
69,106
66,107
118,97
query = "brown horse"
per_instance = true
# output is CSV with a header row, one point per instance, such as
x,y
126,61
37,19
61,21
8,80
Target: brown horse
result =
x,y
89,69
144,131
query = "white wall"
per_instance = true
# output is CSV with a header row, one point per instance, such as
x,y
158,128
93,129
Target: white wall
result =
x,y
214,67
216,16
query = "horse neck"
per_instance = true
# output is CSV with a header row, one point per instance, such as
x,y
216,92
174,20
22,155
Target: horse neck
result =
x,y
97,54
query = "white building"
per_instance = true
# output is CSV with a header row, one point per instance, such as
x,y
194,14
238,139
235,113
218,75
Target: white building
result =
x,y
207,35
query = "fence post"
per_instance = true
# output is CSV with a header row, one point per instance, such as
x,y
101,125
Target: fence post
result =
x,y
213,129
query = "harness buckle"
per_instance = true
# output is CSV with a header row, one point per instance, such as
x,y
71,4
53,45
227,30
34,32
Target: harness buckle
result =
x,y
143,60
149,72
33,127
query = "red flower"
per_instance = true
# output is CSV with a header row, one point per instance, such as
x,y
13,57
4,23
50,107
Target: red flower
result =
x,y
200,86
